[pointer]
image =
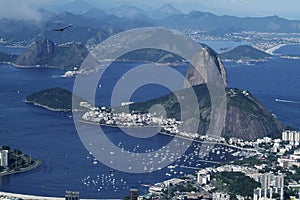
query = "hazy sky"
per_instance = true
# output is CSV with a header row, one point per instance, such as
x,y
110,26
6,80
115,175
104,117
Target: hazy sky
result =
x,y
284,8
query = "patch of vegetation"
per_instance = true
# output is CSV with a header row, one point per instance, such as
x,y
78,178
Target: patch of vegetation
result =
x,y
151,55
236,183
17,160
293,176
244,53
178,104
186,187
58,99
247,162
171,103
245,103
68,56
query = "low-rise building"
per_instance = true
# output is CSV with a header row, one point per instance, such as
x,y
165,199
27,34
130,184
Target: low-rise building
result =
x,y
70,195
134,194
220,196
203,179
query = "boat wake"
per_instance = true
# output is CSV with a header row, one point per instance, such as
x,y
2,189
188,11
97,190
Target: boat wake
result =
x,y
59,76
286,101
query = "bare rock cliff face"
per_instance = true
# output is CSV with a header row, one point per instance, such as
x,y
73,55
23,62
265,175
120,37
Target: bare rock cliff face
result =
x,y
250,121
205,59
38,53
44,53
245,118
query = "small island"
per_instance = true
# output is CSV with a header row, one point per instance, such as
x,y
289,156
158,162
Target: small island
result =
x,y
245,53
13,161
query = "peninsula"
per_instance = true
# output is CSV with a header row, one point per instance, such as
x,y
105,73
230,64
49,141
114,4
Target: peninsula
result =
x,y
246,118
13,161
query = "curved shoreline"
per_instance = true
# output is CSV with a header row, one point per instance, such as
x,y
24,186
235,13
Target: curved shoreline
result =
x,y
36,164
171,135
25,196
114,126
46,107
273,49
33,66
35,197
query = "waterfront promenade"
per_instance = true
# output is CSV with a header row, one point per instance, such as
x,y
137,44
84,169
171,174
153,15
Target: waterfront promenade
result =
x,y
25,169
7,195
27,197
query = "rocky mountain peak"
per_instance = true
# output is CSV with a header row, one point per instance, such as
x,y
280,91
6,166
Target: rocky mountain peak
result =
x,y
205,59
38,51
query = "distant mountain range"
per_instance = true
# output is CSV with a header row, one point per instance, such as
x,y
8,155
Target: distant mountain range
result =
x,y
210,22
44,53
80,7
92,25
246,118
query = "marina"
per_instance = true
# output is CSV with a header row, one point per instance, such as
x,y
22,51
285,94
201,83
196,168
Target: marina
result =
x,y
67,165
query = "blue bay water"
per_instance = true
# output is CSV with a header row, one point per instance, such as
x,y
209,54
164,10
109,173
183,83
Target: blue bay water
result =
x,y
67,165
293,50
274,83
52,138
12,50
218,45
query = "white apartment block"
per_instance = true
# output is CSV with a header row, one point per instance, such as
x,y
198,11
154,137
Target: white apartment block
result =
x,y
4,158
270,184
291,136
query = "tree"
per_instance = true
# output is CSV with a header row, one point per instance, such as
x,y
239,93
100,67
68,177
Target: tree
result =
x,y
17,152
5,148
275,196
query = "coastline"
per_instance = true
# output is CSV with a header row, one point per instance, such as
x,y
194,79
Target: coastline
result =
x,y
114,126
171,135
170,64
36,164
35,66
271,50
27,197
32,67
48,108
35,197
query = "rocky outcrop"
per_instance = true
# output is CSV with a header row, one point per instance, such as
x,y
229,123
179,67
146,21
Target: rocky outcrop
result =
x,y
241,124
38,53
205,60
44,53
245,118
248,119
